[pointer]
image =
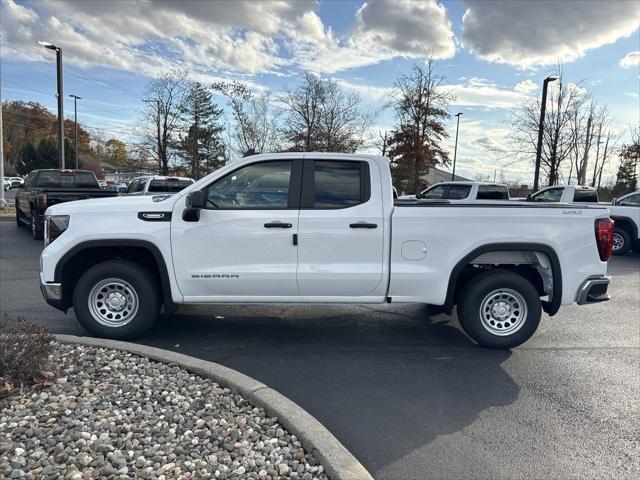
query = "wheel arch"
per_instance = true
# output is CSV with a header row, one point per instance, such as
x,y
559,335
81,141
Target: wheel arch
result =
x,y
550,307
622,222
92,252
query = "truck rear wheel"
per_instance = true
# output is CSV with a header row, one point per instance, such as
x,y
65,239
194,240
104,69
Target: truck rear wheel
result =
x,y
621,241
117,299
499,309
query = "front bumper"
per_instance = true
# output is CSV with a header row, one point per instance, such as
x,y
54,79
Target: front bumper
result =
x,y
52,293
594,290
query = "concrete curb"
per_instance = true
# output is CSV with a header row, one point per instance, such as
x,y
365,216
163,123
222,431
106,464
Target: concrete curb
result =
x,y
336,459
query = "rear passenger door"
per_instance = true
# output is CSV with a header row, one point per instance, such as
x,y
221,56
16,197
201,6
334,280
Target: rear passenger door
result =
x,y
340,229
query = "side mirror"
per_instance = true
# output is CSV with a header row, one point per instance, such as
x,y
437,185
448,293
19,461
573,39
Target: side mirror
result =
x,y
418,195
529,197
194,203
122,189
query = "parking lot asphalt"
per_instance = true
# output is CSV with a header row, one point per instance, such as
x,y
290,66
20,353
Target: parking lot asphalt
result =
x,y
407,393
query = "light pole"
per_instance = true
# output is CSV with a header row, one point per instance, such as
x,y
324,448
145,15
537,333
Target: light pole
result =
x,y
455,149
75,122
543,108
3,202
58,51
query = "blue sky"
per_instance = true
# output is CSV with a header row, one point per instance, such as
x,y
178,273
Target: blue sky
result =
x,y
493,54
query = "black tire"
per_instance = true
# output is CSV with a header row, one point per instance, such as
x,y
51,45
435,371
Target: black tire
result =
x,y
37,226
139,279
498,287
623,241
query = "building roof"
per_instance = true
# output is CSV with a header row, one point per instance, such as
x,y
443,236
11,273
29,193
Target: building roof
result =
x,y
435,175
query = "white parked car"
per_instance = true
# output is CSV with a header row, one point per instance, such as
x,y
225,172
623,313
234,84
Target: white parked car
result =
x,y
625,211
462,192
158,185
12,182
321,228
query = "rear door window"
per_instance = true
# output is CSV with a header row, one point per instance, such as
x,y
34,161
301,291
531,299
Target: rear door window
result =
x,y
340,184
458,192
169,185
585,196
493,192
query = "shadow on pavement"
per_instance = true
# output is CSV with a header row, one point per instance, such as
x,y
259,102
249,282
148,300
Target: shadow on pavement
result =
x,y
359,369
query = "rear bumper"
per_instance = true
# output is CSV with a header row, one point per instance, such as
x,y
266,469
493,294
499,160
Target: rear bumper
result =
x,y
594,290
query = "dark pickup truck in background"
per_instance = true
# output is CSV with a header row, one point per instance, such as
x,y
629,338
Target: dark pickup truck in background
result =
x,y
43,188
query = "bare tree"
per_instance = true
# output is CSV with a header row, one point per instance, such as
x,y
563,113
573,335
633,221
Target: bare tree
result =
x,y
563,126
163,97
320,116
255,122
419,103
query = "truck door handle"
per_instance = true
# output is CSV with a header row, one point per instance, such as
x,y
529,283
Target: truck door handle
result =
x,y
277,225
363,225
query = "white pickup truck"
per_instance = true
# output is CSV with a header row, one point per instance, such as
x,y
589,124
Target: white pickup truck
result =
x,y
625,211
321,228
462,192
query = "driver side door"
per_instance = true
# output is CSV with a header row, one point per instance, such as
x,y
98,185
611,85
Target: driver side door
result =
x,y
243,247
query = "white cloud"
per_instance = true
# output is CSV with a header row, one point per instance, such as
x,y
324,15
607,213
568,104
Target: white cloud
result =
x,y
382,30
219,38
531,33
479,92
631,94
631,59
526,86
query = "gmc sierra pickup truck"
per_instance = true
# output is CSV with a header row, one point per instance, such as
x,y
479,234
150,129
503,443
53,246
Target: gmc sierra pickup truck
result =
x,y
321,228
44,188
625,213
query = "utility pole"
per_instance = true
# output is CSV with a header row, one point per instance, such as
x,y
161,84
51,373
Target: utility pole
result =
x,y
582,173
75,121
60,96
3,202
543,108
157,102
455,148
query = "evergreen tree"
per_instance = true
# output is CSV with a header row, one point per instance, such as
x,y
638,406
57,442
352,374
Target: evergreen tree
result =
x,y
627,177
201,144
47,154
28,159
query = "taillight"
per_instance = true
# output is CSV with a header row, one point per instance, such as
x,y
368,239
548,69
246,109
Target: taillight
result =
x,y
604,237
42,200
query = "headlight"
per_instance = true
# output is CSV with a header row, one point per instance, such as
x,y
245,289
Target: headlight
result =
x,y
54,226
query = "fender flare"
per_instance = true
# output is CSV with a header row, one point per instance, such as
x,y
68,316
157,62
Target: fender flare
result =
x,y
149,246
550,308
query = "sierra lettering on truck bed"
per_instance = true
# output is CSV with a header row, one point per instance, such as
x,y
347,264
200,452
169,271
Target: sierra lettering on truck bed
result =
x,y
321,228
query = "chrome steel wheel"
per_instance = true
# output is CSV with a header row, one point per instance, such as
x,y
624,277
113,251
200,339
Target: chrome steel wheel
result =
x,y
113,302
618,241
503,312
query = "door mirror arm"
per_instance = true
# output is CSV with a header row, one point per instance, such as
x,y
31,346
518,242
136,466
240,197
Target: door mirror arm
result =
x,y
194,203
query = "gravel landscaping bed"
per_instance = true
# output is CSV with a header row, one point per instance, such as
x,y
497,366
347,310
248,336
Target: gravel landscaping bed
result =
x,y
116,415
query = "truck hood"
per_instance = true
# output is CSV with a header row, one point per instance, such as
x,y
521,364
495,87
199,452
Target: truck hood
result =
x,y
118,204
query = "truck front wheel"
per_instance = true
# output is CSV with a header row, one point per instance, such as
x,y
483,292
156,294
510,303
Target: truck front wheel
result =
x,y
621,241
116,299
499,309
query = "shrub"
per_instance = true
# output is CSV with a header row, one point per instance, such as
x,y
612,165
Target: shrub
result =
x,y
24,352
